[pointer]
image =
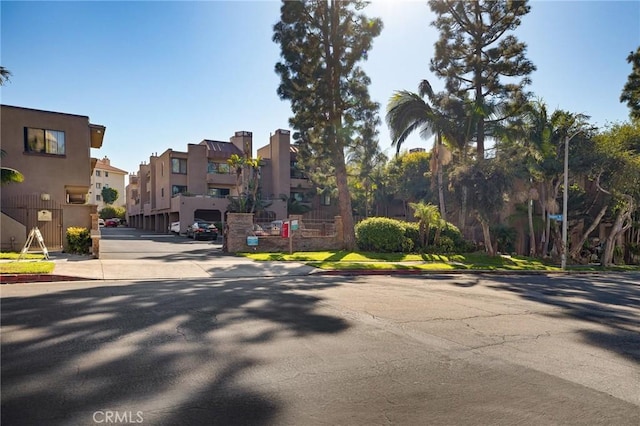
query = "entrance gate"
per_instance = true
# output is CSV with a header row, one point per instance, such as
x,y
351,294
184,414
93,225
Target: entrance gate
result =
x,y
34,212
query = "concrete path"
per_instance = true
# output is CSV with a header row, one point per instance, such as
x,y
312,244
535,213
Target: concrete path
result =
x,y
203,267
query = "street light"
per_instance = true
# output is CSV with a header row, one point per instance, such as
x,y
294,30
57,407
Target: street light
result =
x,y
565,199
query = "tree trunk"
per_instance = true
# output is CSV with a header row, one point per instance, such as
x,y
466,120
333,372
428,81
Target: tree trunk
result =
x,y
488,246
621,224
543,207
477,81
344,201
575,251
463,210
532,235
439,174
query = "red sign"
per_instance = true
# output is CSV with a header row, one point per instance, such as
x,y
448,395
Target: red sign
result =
x,y
285,230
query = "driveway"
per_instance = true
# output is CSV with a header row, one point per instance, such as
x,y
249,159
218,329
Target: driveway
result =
x,y
129,243
316,350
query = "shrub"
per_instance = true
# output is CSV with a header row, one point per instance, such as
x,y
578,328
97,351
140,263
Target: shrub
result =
x,y
382,234
504,238
78,240
110,212
412,232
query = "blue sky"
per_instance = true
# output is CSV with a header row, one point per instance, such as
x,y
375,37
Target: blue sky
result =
x,y
161,75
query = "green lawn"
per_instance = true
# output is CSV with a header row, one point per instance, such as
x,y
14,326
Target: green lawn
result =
x,y
32,264
27,267
344,260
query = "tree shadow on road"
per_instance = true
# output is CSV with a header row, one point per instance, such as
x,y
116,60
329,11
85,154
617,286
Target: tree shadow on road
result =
x,y
610,300
175,351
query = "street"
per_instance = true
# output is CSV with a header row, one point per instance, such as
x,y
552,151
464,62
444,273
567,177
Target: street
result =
x,y
316,350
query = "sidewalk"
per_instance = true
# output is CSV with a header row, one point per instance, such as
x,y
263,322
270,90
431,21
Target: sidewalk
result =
x,y
76,267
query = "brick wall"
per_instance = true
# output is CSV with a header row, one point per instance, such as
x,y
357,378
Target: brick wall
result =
x,y
240,226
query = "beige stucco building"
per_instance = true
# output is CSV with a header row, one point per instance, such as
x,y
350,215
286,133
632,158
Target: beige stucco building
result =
x,y
180,186
53,152
107,176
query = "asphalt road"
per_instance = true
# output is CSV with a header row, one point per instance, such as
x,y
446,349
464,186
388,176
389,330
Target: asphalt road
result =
x,y
130,243
320,350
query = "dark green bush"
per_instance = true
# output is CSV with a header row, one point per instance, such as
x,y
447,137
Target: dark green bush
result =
x,y
382,234
78,240
504,238
412,232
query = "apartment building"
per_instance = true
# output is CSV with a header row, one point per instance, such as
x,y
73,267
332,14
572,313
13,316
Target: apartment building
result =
x,y
180,186
107,176
53,152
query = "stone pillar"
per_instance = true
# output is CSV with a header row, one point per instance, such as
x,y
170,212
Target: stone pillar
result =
x,y
95,235
238,227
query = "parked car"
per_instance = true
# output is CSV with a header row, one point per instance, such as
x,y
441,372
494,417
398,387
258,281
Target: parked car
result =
x,y
259,230
202,230
111,223
100,222
174,227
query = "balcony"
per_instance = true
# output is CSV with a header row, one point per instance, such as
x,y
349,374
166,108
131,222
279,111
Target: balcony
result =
x,y
221,178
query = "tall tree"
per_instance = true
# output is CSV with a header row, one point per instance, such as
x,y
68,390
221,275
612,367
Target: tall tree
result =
x,y
618,148
321,45
476,56
109,195
364,156
488,182
527,142
408,176
408,112
631,90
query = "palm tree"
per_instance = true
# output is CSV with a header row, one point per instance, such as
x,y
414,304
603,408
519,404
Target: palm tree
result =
x,y
4,75
528,139
10,175
408,112
427,215
366,155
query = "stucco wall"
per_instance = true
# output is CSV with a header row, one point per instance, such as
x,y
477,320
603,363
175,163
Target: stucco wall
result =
x,y
12,229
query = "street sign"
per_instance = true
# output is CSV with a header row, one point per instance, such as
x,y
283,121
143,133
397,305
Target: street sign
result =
x,y
557,217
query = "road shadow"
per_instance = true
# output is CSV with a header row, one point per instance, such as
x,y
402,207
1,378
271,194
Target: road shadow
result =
x,y
611,300
175,351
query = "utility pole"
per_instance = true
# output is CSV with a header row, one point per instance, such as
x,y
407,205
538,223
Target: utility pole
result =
x,y
565,199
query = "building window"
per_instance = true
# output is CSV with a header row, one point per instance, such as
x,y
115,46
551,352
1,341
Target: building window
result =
x,y
98,197
106,174
220,168
325,199
218,192
44,141
162,192
98,185
179,165
296,171
98,173
178,189
298,196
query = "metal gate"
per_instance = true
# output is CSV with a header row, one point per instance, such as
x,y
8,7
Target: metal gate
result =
x,y
32,211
